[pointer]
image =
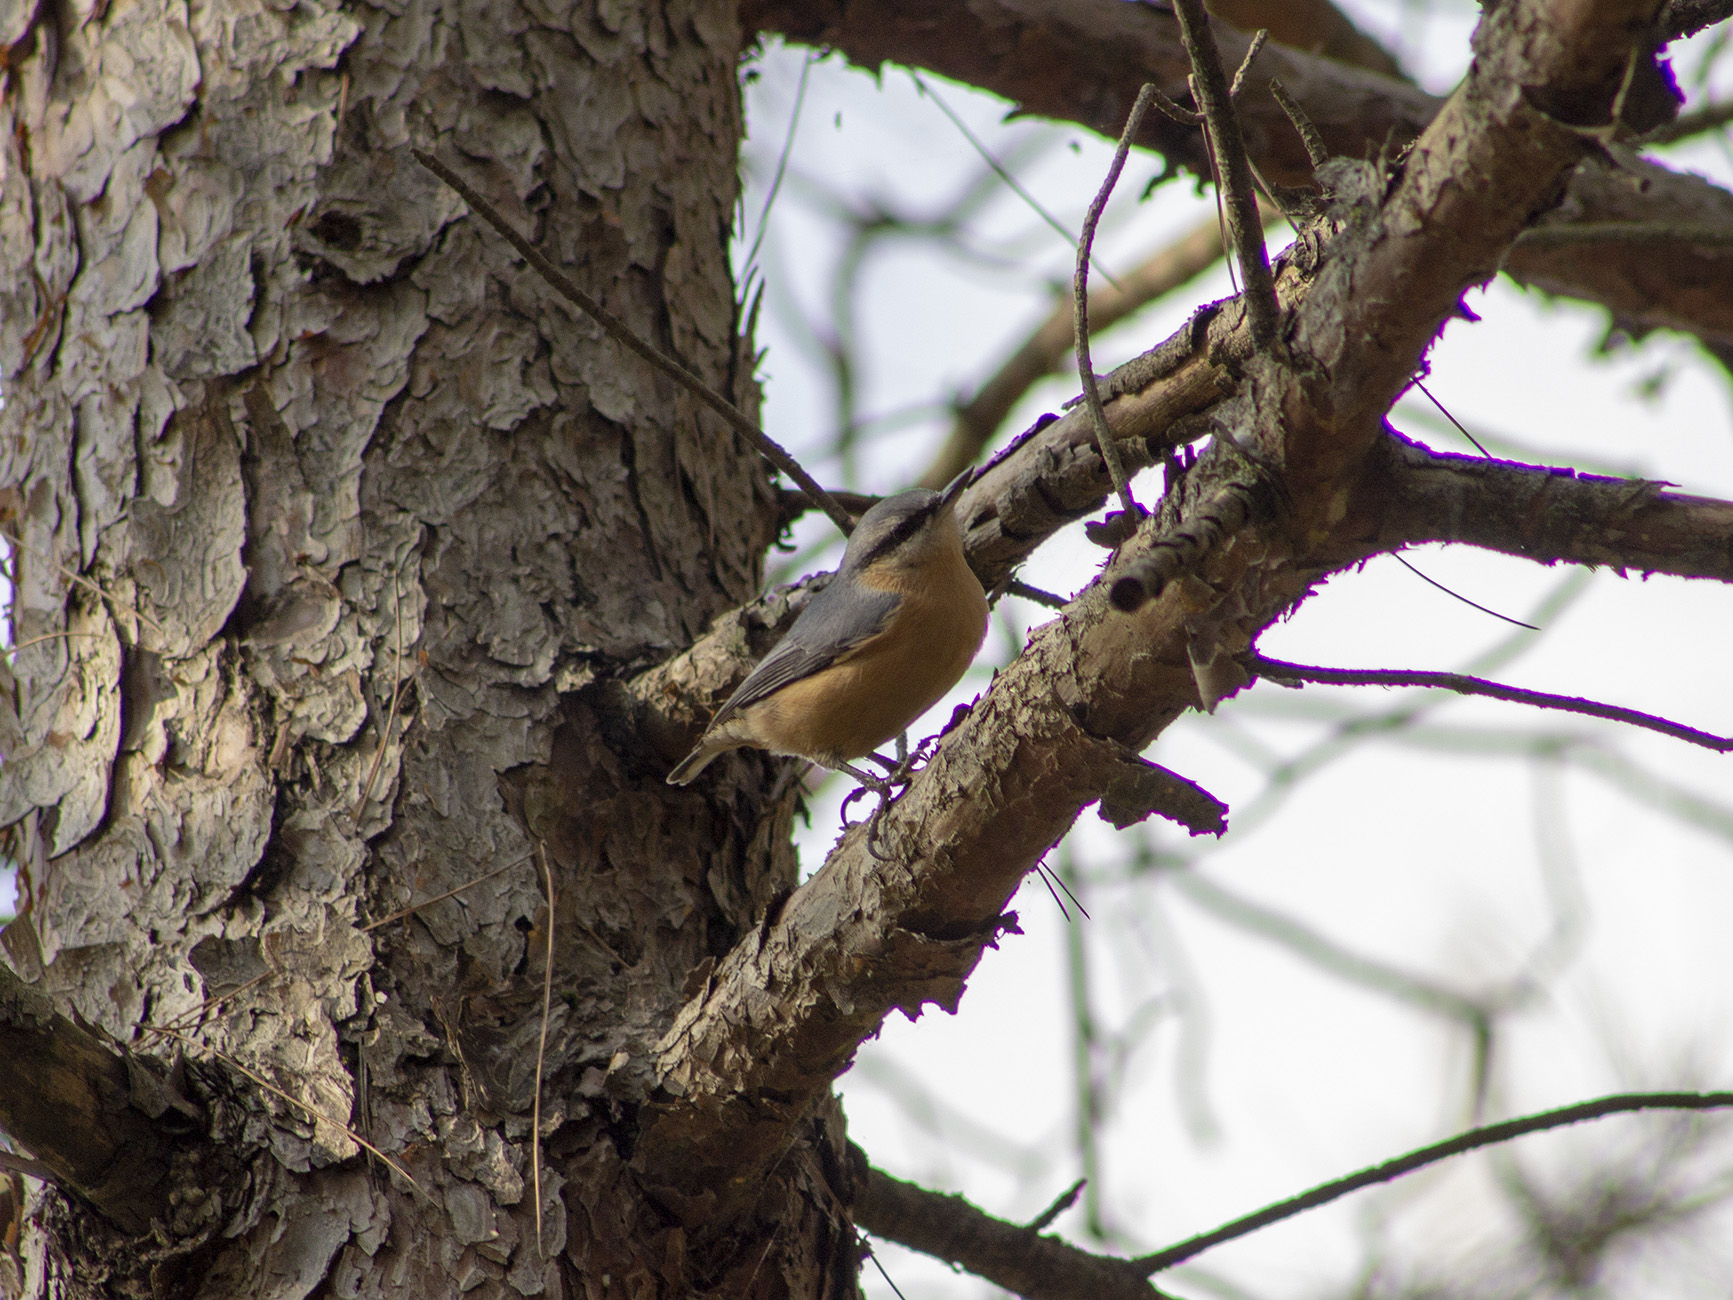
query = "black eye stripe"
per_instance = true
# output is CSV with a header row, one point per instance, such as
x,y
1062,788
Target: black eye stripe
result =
x,y
904,530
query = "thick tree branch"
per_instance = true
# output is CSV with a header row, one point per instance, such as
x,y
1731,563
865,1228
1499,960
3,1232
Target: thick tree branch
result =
x,y
71,1101
1548,515
784,1012
1083,61
1020,1259
1496,156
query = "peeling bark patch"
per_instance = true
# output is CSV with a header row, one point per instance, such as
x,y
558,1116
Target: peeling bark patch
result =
x,y
186,537
67,731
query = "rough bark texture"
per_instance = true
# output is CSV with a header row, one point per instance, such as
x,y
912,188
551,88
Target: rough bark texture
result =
x,y
395,556
1551,515
321,441
65,1093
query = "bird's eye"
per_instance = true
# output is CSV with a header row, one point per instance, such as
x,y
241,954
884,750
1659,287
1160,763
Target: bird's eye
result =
x,y
906,529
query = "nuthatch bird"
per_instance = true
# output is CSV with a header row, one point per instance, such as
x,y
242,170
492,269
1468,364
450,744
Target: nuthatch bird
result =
x,y
896,627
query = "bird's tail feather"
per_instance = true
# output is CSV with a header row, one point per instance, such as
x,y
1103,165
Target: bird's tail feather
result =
x,y
687,770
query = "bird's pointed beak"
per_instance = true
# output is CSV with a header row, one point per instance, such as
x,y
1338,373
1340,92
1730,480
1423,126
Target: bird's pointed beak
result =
x,y
954,489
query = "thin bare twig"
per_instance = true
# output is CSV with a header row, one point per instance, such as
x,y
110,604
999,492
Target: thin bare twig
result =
x,y
440,898
1463,684
781,167
1080,308
1317,152
773,451
1052,600
1004,174
192,1015
1215,175
314,1111
1177,112
1042,875
1061,1203
1210,88
889,1281
1258,39
46,636
1448,416
1470,1140
1457,595
112,601
542,1048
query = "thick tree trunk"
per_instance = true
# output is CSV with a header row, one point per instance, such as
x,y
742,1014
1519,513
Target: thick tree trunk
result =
x,y
375,515
343,548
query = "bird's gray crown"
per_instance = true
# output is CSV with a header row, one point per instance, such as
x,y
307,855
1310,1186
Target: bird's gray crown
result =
x,y
889,524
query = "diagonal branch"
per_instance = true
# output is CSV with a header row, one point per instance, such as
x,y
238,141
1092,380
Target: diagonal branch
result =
x,y
1228,153
785,1010
1021,1259
76,1104
1045,1268
1471,1140
1278,670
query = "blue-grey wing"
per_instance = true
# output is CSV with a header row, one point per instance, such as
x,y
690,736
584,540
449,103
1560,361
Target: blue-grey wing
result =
x,y
839,619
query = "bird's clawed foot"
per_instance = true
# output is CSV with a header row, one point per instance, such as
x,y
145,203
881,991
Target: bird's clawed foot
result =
x,y
900,771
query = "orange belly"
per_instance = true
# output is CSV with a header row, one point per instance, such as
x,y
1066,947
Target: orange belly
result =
x,y
856,705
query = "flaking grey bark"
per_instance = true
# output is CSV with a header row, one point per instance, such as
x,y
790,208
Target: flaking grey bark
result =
x,y
323,443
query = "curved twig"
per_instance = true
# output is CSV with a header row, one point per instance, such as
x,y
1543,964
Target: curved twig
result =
x,y
1080,307
1463,684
